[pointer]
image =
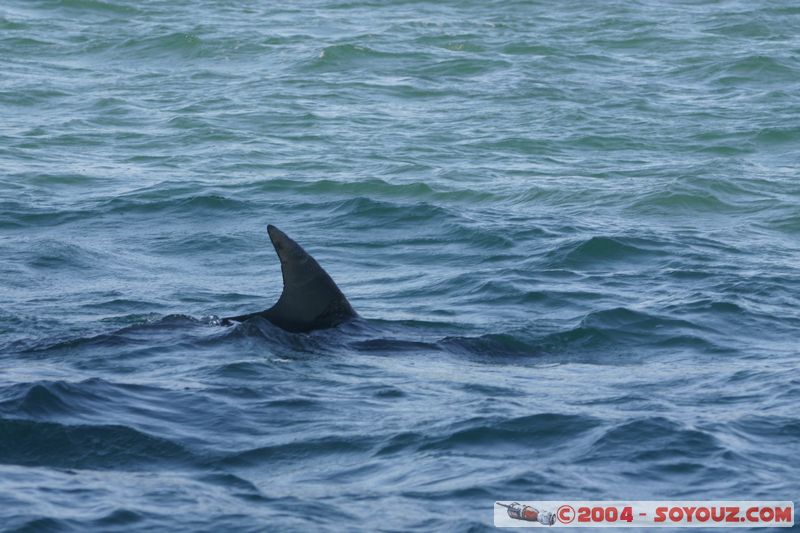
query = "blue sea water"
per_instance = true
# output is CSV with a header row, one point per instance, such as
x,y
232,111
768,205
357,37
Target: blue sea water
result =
x,y
571,230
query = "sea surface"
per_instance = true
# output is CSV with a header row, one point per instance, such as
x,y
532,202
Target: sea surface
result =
x,y
571,231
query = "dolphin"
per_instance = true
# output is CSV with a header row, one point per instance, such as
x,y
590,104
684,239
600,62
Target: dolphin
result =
x,y
310,299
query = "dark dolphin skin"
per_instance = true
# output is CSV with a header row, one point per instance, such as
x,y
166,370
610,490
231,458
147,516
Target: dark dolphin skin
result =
x,y
310,299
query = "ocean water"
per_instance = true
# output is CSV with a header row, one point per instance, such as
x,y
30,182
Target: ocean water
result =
x,y
571,231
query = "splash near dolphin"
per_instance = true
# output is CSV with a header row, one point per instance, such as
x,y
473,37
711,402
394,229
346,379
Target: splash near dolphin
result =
x,y
310,300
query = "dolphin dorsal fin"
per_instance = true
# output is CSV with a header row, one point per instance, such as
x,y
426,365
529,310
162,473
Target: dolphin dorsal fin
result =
x,y
310,299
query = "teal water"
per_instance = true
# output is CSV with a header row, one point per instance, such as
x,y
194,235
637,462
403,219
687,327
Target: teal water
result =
x,y
571,229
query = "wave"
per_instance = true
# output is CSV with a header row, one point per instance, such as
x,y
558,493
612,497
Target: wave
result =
x,y
18,215
607,331
502,435
675,202
461,68
37,443
371,188
598,250
48,399
771,431
304,450
745,70
120,7
480,435
599,335
789,222
355,56
51,254
664,449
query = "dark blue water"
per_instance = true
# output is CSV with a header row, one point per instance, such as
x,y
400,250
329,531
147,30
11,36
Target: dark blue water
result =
x,y
571,230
